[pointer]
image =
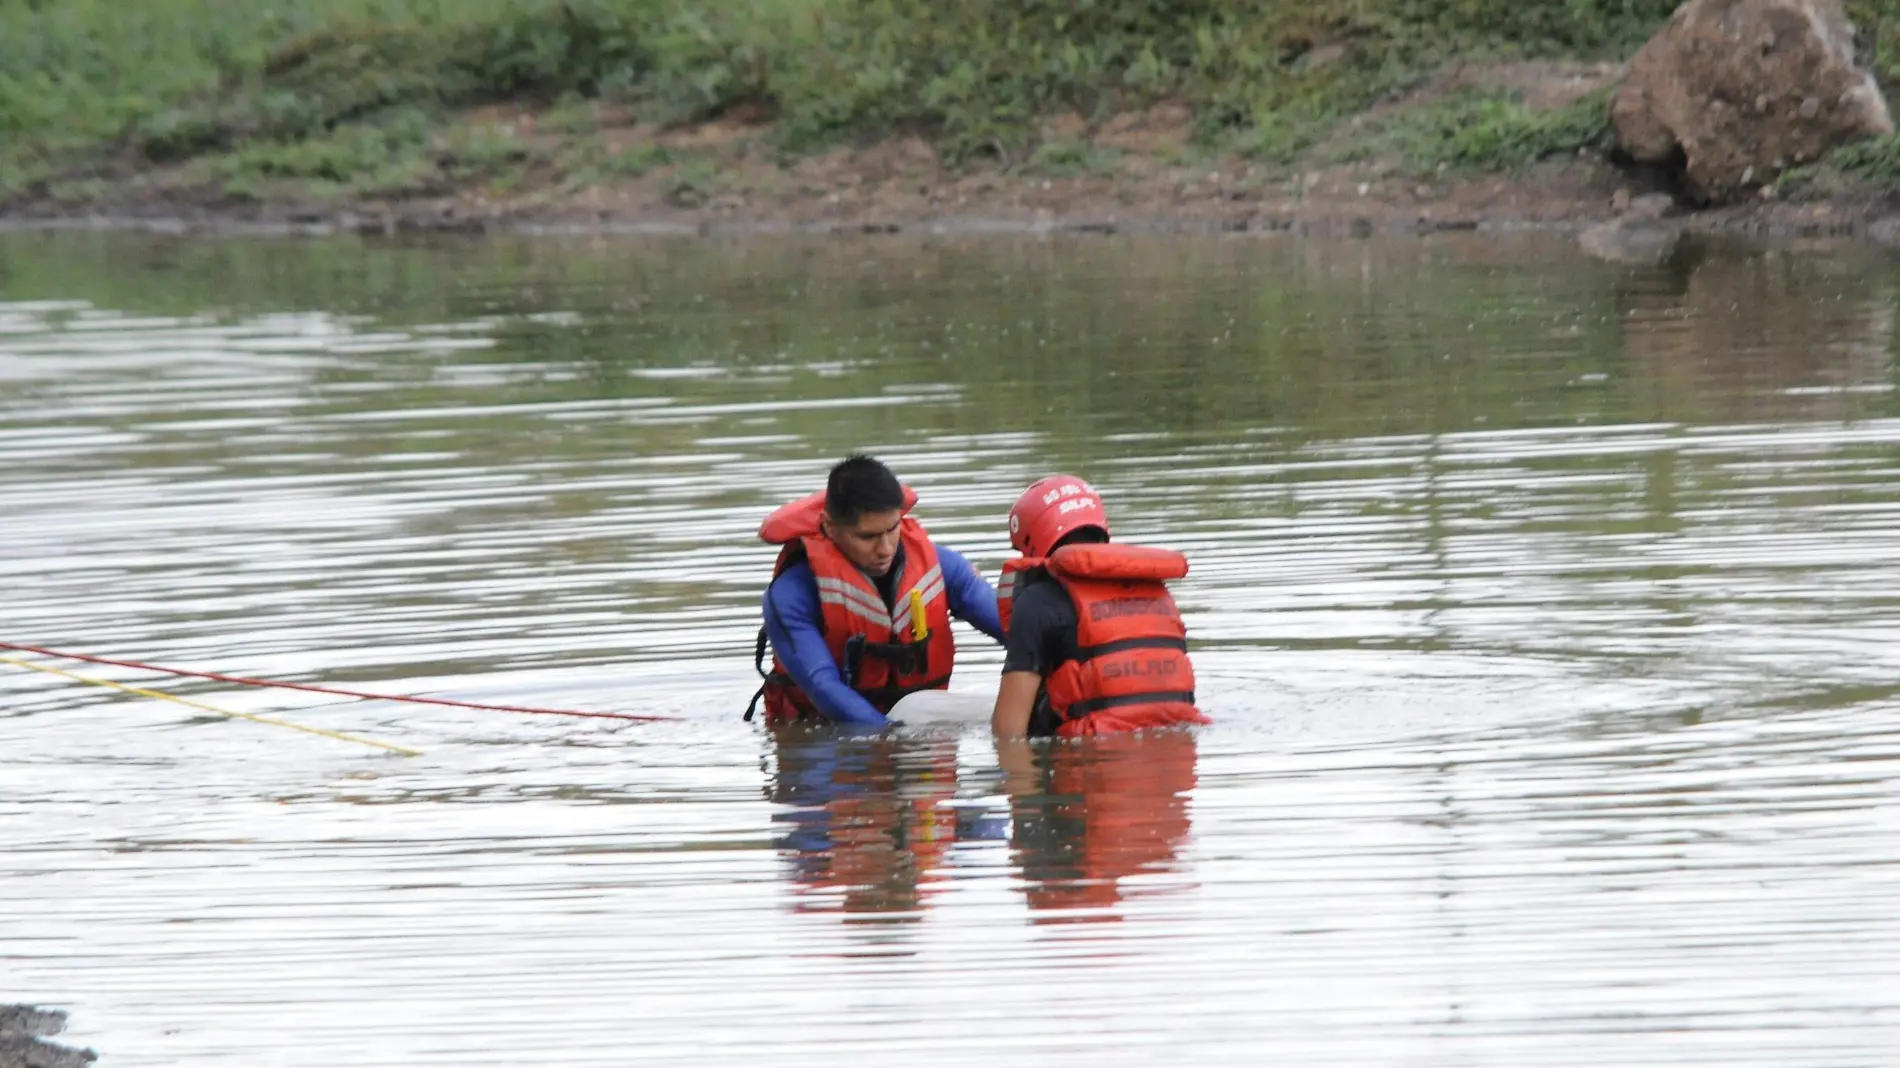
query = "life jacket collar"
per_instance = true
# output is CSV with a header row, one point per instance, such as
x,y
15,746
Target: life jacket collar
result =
x,y
803,517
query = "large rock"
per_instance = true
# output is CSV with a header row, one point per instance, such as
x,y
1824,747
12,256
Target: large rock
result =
x,y
1732,91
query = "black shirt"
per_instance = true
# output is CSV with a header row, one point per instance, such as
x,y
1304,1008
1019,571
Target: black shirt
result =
x,y
1042,638
1041,627
887,582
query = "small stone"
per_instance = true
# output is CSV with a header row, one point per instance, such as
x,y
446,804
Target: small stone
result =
x,y
1884,231
1768,192
1632,241
1652,205
1620,201
1748,174
1810,107
1761,102
1364,188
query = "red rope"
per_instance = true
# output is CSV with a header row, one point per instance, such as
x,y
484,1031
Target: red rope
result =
x,y
325,689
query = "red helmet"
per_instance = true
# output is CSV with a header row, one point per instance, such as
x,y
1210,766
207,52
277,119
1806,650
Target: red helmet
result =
x,y
1051,508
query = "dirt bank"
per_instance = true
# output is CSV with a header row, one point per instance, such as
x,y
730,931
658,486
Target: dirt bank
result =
x,y
1132,173
863,194
23,1031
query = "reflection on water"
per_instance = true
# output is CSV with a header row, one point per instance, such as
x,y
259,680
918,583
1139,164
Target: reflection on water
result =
x,y
1089,815
1546,611
867,823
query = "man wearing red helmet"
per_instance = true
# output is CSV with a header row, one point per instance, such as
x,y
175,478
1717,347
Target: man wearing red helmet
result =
x,y
1094,642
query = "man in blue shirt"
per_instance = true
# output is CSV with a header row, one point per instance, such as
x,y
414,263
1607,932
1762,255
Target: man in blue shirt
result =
x,y
858,612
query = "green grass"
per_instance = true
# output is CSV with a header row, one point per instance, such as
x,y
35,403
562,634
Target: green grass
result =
x,y
1481,130
359,95
1871,163
276,89
1875,159
1070,157
638,161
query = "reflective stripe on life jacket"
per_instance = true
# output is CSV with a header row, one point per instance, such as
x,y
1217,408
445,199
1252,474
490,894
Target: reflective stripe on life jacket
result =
x,y
1132,669
873,645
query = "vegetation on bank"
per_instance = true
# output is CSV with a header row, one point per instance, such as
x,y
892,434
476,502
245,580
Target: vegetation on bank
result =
x,y
375,98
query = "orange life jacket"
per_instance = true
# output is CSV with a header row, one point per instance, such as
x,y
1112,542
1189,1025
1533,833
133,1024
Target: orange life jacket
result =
x,y
1132,671
876,648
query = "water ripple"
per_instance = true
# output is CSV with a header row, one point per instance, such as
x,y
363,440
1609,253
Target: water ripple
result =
x,y
1544,610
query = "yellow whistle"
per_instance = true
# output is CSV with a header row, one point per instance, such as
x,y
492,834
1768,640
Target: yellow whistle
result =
x,y
917,627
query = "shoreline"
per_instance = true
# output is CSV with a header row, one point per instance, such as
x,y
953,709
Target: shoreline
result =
x,y
602,172
23,1033
1569,197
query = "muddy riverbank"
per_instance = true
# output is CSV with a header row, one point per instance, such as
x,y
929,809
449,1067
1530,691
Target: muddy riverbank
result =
x,y
1137,172
1564,196
24,1031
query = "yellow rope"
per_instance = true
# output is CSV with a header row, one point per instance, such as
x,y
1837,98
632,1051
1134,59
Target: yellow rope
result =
x,y
142,692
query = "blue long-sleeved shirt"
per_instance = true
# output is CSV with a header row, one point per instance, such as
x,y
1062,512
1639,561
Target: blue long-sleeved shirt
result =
x,y
794,623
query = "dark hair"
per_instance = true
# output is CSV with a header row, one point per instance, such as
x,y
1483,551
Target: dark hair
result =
x,y
860,485
1082,536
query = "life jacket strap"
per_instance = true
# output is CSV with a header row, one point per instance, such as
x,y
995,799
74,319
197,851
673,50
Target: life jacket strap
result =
x,y
1096,704
758,657
1125,644
903,658
778,680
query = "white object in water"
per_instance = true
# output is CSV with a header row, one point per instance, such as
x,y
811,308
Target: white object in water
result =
x,y
944,708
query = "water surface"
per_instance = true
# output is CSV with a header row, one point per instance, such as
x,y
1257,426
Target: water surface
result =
x,y
1546,610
